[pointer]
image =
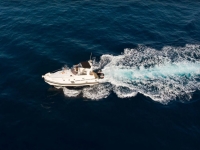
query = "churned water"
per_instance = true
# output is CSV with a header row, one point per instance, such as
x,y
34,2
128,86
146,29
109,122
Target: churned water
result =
x,y
149,52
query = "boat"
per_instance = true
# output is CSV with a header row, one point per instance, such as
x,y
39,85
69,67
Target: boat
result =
x,y
79,75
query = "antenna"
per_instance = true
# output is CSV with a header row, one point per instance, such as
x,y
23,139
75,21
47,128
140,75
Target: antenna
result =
x,y
90,56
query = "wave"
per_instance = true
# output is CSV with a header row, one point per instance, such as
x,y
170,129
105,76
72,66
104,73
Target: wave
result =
x,y
163,75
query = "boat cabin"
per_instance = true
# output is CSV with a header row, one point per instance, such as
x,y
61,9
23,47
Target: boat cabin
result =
x,y
83,68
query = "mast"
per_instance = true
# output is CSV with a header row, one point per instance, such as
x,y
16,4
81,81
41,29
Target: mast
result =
x,y
90,56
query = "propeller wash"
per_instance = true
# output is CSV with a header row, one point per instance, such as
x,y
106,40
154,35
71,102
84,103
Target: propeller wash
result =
x,y
162,75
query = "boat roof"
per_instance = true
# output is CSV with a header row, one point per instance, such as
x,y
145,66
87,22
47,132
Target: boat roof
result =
x,y
85,64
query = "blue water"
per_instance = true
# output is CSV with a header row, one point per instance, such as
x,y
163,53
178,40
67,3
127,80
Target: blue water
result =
x,y
149,51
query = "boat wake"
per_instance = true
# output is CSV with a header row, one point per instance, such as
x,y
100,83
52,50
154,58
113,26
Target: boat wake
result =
x,y
163,75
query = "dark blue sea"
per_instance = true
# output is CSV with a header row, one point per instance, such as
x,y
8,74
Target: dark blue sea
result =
x,y
148,50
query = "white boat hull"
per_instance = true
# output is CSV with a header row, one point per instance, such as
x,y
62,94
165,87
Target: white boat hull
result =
x,y
71,84
79,75
66,79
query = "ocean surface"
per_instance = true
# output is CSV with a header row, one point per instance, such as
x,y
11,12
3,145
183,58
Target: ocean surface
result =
x,y
148,50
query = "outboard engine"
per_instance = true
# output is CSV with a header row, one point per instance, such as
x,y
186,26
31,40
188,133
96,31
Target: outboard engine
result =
x,y
100,74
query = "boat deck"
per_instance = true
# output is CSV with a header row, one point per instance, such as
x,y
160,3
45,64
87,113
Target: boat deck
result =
x,y
68,74
62,74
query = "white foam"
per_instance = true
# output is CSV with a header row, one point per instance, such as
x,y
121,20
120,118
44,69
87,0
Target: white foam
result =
x,y
162,75
97,91
71,93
